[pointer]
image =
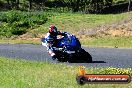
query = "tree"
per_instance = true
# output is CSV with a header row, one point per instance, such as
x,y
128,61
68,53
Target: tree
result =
x,y
108,3
30,4
17,4
8,2
75,5
129,5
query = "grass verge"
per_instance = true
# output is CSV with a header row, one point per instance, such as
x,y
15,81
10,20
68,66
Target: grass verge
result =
x,y
16,23
108,42
113,42
33,74
70,22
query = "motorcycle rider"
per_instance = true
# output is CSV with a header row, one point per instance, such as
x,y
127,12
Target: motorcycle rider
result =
x,y
51,40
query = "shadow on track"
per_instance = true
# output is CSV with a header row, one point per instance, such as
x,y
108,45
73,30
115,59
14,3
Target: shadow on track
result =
x,y
90,62
98,62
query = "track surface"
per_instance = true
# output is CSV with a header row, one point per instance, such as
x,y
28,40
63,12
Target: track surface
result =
x,y
102,57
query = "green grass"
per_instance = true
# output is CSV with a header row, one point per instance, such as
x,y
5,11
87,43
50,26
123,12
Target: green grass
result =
x,y
111,42
35,23
38,23
33,74
74,22
121,42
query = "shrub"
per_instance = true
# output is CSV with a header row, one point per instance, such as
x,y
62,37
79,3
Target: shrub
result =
x,y
112,70
18,23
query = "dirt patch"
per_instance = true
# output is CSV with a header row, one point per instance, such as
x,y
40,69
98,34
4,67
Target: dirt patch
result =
x,y
119,32
123,28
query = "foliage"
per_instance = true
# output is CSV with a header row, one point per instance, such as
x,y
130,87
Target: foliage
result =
x,y
86,6
18,23
37,22
111,70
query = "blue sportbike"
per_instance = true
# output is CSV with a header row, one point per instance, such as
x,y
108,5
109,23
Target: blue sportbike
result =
x,y
68,49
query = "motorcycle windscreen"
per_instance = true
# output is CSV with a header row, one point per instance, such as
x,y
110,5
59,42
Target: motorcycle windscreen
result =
x,y
71,43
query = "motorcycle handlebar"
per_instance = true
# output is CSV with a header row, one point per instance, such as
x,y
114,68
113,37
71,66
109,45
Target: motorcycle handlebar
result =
x,y
60,49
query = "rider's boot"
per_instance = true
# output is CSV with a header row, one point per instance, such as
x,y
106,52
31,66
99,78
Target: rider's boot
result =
x,y
52,54
54,57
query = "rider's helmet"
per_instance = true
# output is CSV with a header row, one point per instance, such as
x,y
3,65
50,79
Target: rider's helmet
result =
x,y
52,30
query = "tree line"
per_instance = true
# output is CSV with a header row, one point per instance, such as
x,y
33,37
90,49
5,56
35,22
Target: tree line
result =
x,y
86,6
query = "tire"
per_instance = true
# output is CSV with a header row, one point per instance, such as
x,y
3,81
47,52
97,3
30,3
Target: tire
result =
x,y
62,57
71,58
81,80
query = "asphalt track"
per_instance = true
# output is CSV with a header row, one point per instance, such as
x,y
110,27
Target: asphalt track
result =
x,y
102,57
